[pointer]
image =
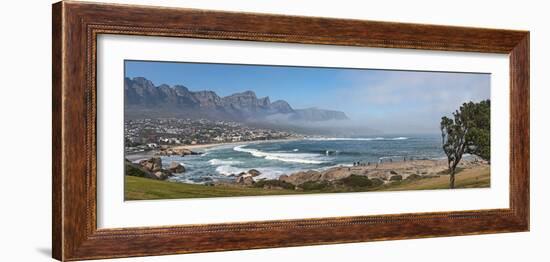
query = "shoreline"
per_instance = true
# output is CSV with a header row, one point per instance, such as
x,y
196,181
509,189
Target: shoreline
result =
x,y
140,155
138,188
380,170
205,146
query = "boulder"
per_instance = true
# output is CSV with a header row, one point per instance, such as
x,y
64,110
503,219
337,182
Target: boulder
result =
x,y
183,152
393,172
153,164
254,172
176,167
301,177
335,174
162,174
245,180
176,151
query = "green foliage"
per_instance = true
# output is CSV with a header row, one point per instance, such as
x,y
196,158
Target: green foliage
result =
x,y
274,183
396,178
478,138
413,177
314,185
467,132
376,182
356,181
132,170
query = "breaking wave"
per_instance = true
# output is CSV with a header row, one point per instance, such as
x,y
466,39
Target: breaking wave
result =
x,y
228,170
304,158
217,162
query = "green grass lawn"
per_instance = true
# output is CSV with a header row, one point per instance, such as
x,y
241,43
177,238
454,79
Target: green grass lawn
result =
x,y
470,178
137,188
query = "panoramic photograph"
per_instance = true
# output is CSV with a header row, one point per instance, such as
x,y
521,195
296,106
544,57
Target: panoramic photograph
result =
x,y
201,130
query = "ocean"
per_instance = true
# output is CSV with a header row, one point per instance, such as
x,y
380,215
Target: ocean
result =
x,y
274,159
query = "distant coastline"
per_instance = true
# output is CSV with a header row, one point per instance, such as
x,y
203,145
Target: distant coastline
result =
x,y
133,156
205,146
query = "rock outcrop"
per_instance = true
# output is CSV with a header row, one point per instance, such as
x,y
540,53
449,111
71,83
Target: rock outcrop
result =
x,y
153,164
301,177
162,174
245,180
176,167
176,152
149,168
254,172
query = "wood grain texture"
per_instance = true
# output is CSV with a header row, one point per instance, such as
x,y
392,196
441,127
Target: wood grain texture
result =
x,y
57,195
76,27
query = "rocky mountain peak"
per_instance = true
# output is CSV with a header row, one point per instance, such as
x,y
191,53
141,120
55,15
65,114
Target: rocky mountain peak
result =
x,y
142,96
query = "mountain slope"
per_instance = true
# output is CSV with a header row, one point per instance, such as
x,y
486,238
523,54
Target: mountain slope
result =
x,y
143,99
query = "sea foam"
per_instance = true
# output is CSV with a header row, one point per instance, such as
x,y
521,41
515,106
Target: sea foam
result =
x,y
217,162
228,170
303,158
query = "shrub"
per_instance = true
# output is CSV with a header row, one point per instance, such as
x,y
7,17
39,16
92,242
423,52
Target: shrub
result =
x,y
274,183
377,182
314,185
396,178
413,177
356,181
131,170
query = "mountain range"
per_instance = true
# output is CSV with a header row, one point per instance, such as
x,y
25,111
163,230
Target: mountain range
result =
x,y
144,99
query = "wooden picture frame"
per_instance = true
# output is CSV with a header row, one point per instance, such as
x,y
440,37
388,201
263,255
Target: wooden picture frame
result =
x,y
76,26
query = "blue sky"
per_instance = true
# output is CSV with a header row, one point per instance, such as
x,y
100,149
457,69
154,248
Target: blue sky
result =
x,y
387,100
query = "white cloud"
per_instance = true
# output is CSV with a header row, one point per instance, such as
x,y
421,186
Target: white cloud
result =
x,y
409,101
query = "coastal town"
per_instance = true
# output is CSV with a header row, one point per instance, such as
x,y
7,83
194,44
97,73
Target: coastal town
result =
x,y
147,134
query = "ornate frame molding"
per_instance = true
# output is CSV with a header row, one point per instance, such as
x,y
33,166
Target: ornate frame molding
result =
x,y
76,26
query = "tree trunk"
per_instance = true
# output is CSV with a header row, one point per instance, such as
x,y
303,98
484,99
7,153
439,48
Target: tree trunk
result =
x,y
452,178
452,170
